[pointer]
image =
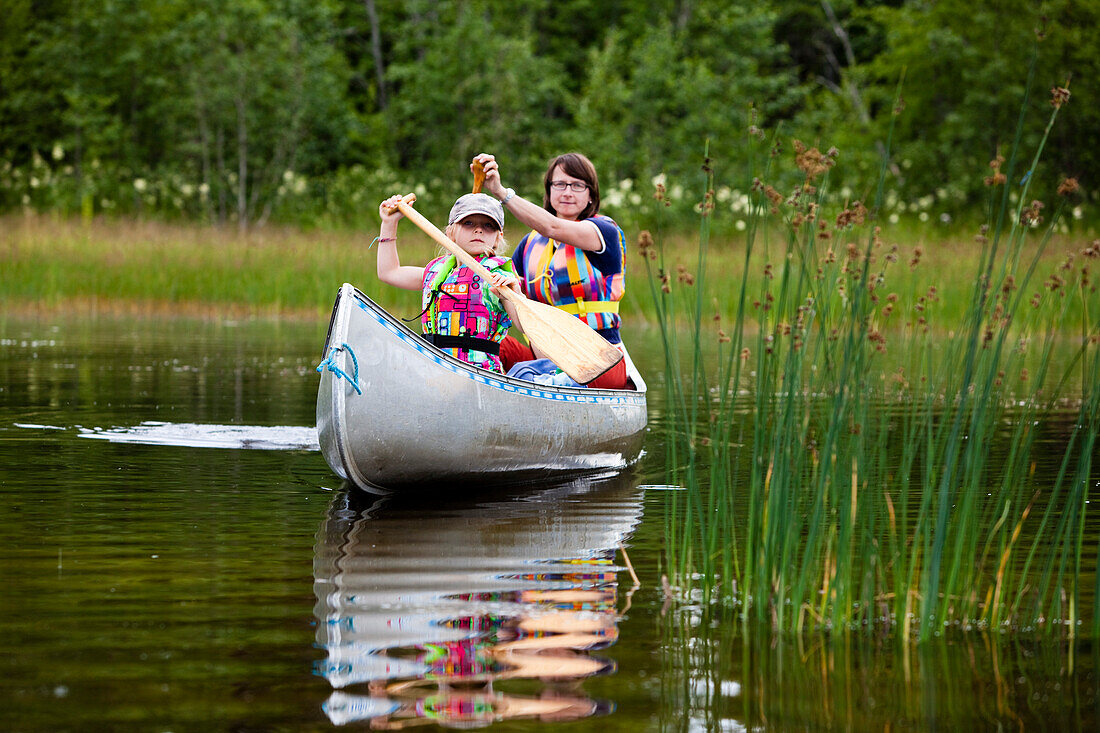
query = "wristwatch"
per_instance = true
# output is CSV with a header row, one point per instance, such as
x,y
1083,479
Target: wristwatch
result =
x,y
509,193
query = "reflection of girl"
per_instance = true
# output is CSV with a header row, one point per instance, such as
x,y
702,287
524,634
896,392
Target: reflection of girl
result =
x,y
461,315
572,258
462,659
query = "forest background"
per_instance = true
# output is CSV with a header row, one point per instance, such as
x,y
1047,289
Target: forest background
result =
x,y
307,112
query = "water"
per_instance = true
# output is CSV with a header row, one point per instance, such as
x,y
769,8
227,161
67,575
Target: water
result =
x,y
175,555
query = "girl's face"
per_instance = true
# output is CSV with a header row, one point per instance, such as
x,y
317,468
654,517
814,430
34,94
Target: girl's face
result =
x,y
569,203
477,234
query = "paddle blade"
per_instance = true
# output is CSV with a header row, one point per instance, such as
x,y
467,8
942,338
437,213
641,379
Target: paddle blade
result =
x,y
479,175
566,340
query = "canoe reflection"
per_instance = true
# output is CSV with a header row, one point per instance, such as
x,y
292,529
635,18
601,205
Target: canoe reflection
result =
x,y
430,613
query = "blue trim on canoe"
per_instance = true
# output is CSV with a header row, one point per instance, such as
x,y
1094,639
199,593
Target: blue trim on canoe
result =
x,y
631,399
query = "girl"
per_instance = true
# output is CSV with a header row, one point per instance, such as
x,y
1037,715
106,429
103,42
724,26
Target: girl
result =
x,y
462,315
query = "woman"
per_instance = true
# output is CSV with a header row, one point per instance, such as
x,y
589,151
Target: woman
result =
x,y
574,256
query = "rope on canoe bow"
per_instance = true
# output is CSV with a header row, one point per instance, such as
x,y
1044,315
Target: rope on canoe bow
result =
x,y
330,364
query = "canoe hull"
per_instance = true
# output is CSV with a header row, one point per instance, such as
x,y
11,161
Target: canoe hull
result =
x,y
421,417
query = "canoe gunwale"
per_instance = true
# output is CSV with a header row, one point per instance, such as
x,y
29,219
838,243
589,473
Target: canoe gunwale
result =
x,y
416,341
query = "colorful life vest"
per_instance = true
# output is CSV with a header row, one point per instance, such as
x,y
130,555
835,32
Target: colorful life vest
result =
x,y
461,314
564,276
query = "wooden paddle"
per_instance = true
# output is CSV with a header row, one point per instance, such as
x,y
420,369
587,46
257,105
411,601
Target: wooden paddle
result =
x,y
479,176
565,339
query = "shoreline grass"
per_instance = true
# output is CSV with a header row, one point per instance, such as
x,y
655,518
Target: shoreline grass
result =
x,y
138,267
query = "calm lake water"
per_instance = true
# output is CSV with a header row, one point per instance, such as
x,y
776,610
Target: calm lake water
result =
x,y
175,555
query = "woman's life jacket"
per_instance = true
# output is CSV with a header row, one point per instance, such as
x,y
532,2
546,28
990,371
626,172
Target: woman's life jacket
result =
x,y
587,284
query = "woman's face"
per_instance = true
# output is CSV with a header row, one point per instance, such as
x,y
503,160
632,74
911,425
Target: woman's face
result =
x,y
568,203
477,234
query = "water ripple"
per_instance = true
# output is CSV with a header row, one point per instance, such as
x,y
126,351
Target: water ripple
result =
x,y
194,435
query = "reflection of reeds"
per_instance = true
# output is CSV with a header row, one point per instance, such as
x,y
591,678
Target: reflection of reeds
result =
x,y
835,439
727,678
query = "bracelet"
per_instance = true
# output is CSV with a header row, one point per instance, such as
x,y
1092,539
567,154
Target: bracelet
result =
x,y
508,197
381,239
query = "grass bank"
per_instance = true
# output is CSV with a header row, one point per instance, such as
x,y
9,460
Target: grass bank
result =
x,y
141,267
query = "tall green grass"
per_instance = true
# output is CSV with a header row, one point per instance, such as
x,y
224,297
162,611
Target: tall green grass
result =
x,y
132,265
139,265
835,444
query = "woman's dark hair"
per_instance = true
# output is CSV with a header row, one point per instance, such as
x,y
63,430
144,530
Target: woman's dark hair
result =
x,y
578,166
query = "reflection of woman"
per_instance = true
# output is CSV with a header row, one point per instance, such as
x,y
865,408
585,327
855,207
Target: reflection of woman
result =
x,y
573,258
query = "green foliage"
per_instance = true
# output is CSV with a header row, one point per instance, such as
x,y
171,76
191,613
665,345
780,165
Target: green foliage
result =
x,y
255,110
464,86
964,66
653,100
187,108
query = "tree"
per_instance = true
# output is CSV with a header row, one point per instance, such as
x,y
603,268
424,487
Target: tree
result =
x,y
462,85
196,95
964,70
266,96
653,101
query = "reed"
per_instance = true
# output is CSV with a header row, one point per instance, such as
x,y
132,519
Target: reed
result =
x,y
834,440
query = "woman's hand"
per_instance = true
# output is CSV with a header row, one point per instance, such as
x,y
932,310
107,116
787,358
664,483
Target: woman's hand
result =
x,y
492,173
388,210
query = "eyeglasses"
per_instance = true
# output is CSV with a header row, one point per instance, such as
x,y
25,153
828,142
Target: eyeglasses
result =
x,y
574,186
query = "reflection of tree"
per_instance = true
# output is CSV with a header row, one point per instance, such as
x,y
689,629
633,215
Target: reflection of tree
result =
x,y
436,616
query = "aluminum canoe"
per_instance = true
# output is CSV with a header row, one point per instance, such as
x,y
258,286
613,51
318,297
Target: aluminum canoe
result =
x,y
395,413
